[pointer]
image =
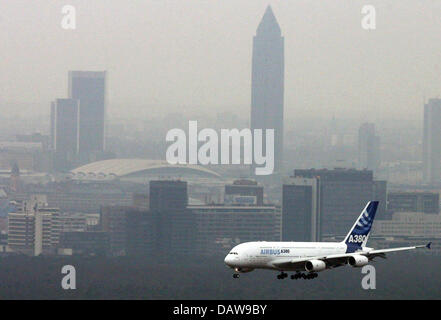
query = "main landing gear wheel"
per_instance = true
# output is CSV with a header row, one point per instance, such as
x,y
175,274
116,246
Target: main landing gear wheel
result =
x,y
236,275
296,276
283,275
304,276
311,276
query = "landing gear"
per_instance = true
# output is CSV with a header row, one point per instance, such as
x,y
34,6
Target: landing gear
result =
x,y
308,276
236,275
296,276
282,275
311,276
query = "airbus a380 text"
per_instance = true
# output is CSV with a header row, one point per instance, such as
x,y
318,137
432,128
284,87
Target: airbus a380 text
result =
x,y
305,259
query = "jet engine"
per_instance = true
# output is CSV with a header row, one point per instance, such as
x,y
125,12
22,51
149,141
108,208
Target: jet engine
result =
x,y
358,260
243,270
315,265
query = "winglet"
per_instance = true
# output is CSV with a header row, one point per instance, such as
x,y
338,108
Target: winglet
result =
x,y
428,245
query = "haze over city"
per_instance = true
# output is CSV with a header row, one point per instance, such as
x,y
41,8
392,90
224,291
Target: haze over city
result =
x,y
194,56
163,149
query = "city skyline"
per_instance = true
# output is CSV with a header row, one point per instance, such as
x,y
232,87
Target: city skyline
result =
x,y
363,60
158,149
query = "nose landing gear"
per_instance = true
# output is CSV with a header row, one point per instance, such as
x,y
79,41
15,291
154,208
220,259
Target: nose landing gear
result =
x,y
236,275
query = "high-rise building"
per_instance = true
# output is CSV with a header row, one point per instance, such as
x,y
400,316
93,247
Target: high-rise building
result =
x,y
368,147
380,194
244,191
343,194
268,82
131,230
65,132
113,221
301,210
52,127
218,228
168,194
432,142
89,87
34,228
174,223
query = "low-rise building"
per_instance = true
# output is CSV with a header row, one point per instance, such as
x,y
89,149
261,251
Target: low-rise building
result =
x,y
85,242
77,221
427,202
408,228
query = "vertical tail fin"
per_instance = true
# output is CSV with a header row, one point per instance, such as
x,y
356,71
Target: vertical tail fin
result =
x,y
359,234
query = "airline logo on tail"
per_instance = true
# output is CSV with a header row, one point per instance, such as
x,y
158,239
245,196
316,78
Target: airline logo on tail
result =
x,y
359,234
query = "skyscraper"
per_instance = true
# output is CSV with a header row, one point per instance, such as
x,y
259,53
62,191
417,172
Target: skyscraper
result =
x,y
268,82
64,132
301,210
89,87
174,223
432,142
368,147
343,193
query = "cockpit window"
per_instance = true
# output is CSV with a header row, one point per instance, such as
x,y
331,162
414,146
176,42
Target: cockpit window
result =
x,y
233,252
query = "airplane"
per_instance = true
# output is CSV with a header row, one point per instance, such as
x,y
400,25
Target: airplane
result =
x,y
308,258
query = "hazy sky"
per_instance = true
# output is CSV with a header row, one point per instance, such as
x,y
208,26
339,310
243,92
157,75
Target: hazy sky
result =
x,y
190,55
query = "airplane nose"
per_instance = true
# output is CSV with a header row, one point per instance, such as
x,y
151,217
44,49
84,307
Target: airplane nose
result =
x,y
227,260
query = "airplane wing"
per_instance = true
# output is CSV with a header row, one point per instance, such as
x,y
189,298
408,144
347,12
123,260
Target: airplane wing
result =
x,y
382,252
337,260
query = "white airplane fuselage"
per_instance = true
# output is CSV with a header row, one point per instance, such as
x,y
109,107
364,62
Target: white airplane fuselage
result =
x,y
312,257
262,255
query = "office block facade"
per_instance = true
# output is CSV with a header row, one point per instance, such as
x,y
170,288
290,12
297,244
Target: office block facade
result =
x,y
174,223
218,228
301,210
343,195
427,202
89,87
34,228
65,133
